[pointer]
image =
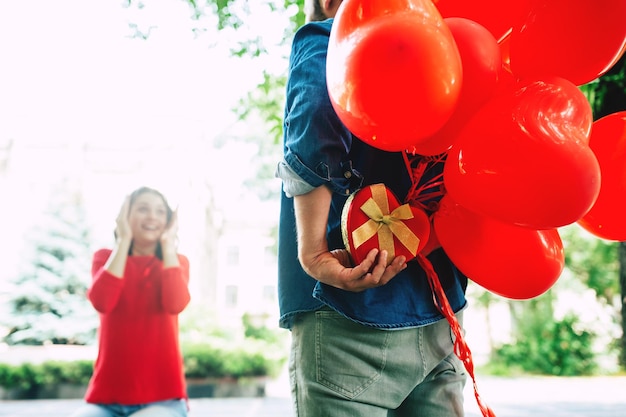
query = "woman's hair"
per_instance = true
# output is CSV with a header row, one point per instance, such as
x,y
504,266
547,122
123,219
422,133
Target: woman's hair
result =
x,y
133,197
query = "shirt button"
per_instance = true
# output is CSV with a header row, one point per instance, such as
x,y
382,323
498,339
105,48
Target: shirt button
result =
x,y
347,174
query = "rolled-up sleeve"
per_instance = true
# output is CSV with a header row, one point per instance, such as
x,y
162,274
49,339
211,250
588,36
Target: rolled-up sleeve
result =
x,y
316,143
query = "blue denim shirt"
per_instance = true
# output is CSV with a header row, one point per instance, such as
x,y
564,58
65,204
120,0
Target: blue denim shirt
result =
x,y
319,150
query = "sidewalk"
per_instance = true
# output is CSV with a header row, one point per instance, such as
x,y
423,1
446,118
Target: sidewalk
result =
x,y
508,397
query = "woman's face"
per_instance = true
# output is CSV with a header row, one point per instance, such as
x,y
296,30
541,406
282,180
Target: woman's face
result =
x,y
147,217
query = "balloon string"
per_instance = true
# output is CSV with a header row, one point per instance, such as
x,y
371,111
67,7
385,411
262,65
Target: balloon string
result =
x,y
429,190
461,349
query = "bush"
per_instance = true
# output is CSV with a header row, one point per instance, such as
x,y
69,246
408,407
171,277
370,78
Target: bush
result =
x,y
216,360
253,359
73,372
560,350
30,377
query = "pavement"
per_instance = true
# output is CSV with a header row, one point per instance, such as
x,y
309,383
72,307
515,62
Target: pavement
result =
x,y
507,397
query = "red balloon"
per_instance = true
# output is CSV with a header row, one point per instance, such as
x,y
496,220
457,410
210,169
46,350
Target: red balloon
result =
x,y
508,260
524,157
393,78
607,219
353,15
505,50
496,15
579,40
482,65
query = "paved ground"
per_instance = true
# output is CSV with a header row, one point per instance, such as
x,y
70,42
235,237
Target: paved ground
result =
x,y
508,397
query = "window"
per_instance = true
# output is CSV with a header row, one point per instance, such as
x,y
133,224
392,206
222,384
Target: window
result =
x,y
269,293
232,256
231,296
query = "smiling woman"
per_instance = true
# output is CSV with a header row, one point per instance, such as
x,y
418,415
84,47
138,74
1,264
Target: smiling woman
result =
x,y
148,217
139,288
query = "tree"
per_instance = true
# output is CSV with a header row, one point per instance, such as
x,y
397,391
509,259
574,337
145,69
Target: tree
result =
x,y
233,17
48,303
607,95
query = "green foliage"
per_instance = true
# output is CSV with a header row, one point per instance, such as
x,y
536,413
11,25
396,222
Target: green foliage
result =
x,y
234,13
254,350
24,376
593,261
266,101
607,94
251,359
260,332
74,372
559,349
29,377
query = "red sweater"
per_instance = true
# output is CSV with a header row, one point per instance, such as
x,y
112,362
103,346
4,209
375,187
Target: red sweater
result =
x,y
139,357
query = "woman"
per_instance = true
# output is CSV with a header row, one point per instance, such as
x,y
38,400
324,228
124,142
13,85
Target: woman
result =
x,y
139,288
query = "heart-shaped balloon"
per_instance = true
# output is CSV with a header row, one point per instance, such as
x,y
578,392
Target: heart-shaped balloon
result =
x,y
524,157
373,218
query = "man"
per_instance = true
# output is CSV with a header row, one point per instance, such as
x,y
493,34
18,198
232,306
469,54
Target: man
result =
x,y
367,339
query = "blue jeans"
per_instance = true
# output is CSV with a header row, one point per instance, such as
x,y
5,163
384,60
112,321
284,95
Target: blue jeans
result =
x,y
339,368
172,408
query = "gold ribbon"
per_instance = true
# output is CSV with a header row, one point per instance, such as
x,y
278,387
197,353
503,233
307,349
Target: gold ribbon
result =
x,y
385,224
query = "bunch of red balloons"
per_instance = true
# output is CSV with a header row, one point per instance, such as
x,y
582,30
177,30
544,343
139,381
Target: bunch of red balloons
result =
x,y
496,86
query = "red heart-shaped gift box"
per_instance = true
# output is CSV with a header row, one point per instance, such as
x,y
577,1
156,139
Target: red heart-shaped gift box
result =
x,y
373,218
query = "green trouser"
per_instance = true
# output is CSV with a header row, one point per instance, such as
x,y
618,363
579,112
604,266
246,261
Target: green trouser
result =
x,y
339,368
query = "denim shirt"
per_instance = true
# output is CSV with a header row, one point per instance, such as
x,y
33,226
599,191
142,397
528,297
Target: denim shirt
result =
x,y
320,150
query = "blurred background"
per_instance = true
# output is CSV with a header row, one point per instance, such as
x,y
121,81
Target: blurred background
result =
x,y
99,98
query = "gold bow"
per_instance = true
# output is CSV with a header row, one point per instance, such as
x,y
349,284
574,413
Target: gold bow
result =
x,y
385,224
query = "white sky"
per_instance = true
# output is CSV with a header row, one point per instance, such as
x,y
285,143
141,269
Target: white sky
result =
x,y
70,65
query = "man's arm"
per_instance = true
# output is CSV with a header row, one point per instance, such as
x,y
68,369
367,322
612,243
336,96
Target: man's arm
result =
x,y
333,268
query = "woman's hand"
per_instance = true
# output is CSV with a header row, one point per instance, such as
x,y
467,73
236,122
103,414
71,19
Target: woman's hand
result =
x,y
169,241
122,226
170,234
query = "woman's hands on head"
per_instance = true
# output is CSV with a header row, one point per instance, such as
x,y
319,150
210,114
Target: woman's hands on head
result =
x,y
122,225
170,234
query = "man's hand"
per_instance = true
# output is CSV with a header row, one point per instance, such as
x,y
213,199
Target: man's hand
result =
x,y
334,268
